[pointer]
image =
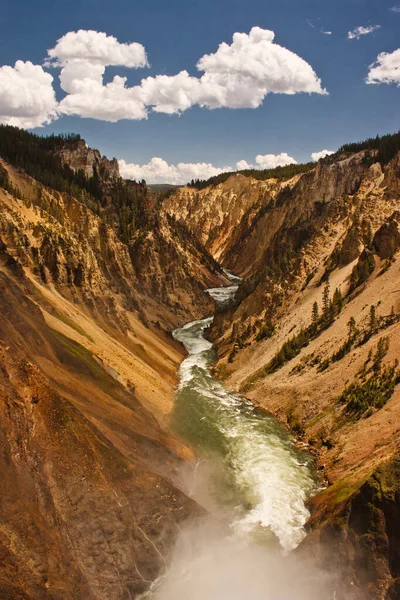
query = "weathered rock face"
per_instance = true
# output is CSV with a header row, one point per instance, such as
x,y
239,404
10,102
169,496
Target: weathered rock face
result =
x,y
239,219
387,238
219,215
63,242
87,507
90,506
82,158
311,225
336,224
350,247
356,533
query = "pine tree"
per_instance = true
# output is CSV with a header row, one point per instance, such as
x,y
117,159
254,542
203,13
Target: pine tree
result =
x,y
381,351
326,303
352,327
337,301
372,318
315,315
368,237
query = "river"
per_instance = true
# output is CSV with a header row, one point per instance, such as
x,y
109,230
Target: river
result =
x,y
249,475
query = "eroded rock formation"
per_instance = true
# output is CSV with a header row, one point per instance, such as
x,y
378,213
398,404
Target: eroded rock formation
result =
x,y
313,337
89,506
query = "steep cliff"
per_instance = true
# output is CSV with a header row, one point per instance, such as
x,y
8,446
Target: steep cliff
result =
x,y
87,506
82,158
90,505
219,215
313,335
354,531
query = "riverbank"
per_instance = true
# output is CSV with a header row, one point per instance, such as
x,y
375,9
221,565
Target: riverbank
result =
x,y
251,478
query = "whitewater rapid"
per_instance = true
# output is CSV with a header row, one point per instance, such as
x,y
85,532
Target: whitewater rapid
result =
x,y
265,477
250,475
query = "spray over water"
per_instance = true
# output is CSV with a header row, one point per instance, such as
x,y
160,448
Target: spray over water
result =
x,y
252,480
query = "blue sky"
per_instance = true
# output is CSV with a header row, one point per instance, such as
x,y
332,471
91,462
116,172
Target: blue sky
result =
x,y
176,34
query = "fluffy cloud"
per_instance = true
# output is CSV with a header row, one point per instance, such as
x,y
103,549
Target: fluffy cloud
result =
x,y
83,57
242,165
270,161
159,171
238,75
110,102
386,69
170,93
359,31
27,98
395,9
267,161
97,48
317,155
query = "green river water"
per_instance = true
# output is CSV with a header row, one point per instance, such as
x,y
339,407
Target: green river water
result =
x,y
249,474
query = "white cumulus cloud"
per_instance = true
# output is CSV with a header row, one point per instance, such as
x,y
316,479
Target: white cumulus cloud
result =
x,y
242,165
158,170
237,75
360,30
240,75
271,161
83,57
27,97
96,47
267,161
170,93
317,155
386,69
110,102
395,9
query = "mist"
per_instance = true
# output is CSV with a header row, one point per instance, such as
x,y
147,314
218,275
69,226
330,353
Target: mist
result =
x,y
211,563
252,482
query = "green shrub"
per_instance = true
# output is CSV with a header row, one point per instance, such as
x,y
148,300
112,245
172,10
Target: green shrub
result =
x,y
362,397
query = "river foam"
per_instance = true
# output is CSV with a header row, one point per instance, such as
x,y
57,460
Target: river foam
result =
x,y
253,481
270,479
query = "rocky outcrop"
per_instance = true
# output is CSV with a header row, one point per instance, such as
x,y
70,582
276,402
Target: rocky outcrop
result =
x,y
80,157
220,214
311,226
355,532
387,239
61,241
239,219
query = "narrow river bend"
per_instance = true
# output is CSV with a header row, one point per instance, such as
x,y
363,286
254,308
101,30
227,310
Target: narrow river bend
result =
x,y
250,475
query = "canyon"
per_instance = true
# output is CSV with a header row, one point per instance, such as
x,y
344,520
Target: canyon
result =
x,y
95,273
88,371
332,232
